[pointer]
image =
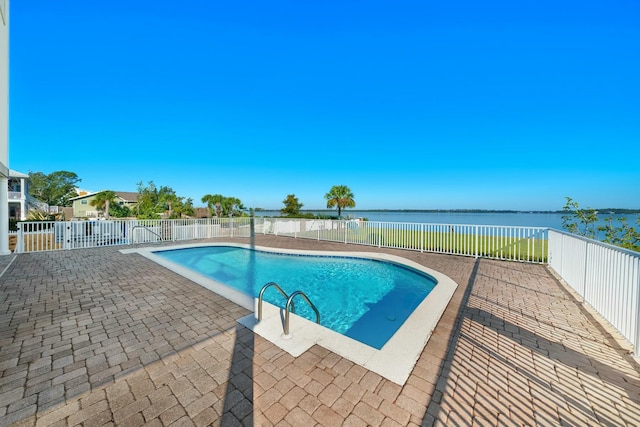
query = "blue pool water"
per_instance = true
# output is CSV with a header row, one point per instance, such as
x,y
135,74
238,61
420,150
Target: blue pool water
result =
x,y
365,299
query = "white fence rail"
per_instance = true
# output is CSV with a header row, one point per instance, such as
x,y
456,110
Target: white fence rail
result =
x,y
607,277
498,242
58,235
527,244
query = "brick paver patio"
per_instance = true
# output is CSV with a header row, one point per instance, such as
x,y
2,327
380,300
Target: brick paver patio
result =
x,y
96,337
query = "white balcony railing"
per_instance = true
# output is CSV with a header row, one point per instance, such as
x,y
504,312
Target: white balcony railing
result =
x,y
33,203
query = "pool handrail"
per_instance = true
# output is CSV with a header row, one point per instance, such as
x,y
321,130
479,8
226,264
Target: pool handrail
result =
x,y
145,228
264,288
290,303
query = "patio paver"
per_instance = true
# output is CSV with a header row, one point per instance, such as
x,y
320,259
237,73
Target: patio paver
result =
x,y
95,337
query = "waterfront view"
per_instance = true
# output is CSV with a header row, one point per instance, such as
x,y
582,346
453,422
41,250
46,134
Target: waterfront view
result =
x,y
468,141
524,219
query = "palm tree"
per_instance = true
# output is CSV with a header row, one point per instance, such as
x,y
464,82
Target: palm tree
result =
x,y
102,200
213,200
167,197
170,199
340,196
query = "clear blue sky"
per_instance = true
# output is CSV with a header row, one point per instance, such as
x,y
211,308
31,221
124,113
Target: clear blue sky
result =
x,y
412,104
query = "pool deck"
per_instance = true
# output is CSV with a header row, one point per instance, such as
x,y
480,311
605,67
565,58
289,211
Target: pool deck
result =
x,y
96,337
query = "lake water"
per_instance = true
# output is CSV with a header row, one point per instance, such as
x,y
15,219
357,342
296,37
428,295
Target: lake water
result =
x,y
527,219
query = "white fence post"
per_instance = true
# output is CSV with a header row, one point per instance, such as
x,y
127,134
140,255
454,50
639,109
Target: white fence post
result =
x,y
66,236
20,239
477,239
635,272
344,225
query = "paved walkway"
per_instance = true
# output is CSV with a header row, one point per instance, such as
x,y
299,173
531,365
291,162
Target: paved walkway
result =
x,y
95,337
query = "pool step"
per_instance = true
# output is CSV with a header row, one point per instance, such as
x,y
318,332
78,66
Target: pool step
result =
x,y
383,318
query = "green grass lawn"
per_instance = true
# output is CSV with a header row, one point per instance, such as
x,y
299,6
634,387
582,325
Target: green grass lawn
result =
x,y
500,247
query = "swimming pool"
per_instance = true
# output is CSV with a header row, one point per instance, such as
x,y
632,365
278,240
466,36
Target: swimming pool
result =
x,y
394,361
364,299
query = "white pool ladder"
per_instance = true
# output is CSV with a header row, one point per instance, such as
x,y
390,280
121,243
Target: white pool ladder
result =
x,y
288,307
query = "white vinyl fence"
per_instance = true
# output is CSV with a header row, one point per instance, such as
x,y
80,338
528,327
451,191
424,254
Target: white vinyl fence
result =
x,y
58,235
528,244
606,276
488,241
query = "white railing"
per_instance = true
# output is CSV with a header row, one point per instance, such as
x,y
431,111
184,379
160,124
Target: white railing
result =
x,y
39,236
527,244
32,202
488,241
606,276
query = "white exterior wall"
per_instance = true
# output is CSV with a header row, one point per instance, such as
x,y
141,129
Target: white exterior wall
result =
x,y
4,90
21,196
4,127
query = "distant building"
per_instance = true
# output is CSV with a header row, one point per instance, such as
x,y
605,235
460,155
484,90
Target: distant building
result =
x,y
20,202
202,213
82,207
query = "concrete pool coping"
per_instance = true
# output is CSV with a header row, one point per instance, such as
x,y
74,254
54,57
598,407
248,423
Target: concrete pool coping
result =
x,y
394,361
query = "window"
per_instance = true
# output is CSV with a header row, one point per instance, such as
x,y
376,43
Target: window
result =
x,y
14,185
84,202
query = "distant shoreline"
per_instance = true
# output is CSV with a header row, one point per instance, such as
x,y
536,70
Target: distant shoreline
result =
x,y
606,211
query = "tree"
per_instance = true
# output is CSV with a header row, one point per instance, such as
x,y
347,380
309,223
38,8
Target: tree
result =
x,y
579,221
291,206
340,196
214,203
223,206
103,200
582,222
169,201
119,211
232,206
54,189
147,206
154,202
186,208
623,235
